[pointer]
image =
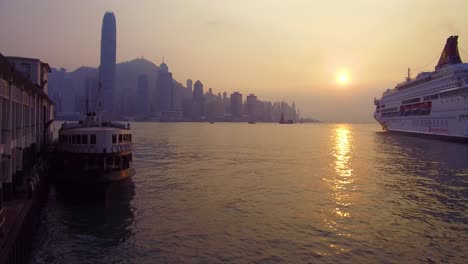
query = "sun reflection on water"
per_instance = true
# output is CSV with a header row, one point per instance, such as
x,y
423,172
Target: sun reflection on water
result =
x,y
341,185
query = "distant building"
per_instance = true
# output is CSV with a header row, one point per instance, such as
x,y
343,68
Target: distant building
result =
x,y
68,96
252,106
142,95
189,85
198,91
108,61
92,88
198,102
164,90
236,105
56,83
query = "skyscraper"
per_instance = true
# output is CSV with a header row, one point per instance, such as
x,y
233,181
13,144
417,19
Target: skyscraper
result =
x,y
164,90
252,106
198,101
236,105
189,85
108,60
198,91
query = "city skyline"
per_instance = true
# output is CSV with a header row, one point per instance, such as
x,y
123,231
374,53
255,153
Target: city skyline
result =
x,y
280,51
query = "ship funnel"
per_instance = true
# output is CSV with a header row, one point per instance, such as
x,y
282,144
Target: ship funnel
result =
x,y
450,54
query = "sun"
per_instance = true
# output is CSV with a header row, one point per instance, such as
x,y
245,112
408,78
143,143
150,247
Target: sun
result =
x,y
342,78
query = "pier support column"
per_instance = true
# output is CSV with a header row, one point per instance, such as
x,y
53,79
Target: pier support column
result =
x,y
3,84
7,181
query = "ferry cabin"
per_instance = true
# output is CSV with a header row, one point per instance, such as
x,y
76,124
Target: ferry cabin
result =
x,y
95,149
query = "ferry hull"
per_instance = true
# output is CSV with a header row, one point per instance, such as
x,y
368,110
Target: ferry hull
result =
x,y
69,169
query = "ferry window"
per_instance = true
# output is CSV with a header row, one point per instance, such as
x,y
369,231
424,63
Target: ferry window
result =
x,y
73,139
78,139
69,139
120,138
114,138
93,139
130,136
84,139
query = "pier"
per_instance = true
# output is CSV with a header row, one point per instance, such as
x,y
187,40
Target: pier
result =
x,y
26,113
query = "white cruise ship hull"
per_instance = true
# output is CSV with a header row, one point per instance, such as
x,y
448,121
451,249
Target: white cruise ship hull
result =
x,y
448,118
433,104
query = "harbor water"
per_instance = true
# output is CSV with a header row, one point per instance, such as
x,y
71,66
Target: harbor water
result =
x,y
269,193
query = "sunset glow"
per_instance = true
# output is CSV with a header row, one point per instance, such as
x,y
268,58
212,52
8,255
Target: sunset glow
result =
x,y
342,78
237,46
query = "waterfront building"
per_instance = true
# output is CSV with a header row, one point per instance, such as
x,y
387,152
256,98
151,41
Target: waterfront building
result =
x,y
236,105
198,101
198,91
108,63
189,85
142,94
164,90
252,107
26,112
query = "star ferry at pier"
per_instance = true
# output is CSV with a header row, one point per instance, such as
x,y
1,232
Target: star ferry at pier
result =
x,y
92,151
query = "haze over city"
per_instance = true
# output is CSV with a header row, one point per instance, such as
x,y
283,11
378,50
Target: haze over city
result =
x,y
332,58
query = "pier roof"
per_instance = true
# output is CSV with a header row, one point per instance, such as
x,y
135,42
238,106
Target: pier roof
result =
x,y
9,73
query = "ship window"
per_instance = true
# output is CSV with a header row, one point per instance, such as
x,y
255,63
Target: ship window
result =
x,y
73,139
84,139
78,139
120,138
93,139
114,138
130,136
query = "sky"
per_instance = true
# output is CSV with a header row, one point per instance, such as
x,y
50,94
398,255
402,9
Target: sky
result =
x,y
279,50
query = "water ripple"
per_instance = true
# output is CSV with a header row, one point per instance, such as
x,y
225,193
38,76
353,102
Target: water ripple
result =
x,y
264,193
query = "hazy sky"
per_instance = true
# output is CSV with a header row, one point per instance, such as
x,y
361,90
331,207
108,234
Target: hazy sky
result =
x,y
291,50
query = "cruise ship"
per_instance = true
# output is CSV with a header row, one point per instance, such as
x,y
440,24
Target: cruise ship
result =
x,y
432,104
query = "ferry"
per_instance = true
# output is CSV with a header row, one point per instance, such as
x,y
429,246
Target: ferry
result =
x,y
92,151
432,104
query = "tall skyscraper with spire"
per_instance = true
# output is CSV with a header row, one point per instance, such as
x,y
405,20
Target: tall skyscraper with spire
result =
x,y
108,61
